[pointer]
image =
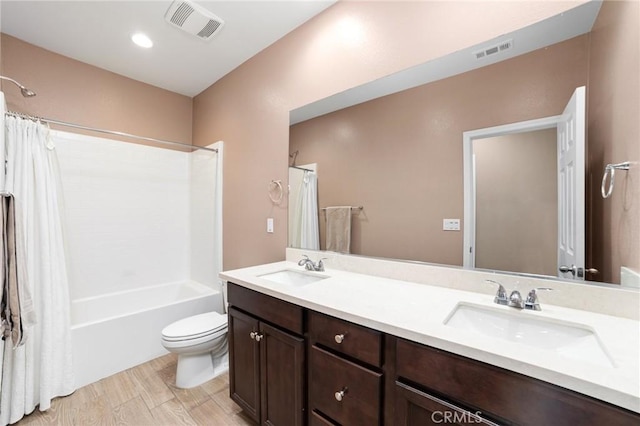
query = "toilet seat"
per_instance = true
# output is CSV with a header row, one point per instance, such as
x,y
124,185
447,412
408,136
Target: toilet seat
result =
x,y
198,327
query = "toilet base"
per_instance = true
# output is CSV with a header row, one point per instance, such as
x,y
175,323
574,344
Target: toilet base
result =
x,y
194,370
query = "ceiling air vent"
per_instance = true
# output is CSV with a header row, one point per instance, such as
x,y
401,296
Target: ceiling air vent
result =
x,y
492,50
194,19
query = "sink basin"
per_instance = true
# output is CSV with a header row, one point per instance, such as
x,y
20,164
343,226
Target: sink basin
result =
x,y
293,277
566,339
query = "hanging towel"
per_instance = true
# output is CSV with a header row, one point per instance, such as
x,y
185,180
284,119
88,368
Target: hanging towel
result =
x,y
16,306
339,229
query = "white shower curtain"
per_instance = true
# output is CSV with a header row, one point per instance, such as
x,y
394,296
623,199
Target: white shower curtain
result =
x,y
41,369
307,231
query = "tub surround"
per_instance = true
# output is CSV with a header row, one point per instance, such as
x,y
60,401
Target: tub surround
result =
x,y
392,297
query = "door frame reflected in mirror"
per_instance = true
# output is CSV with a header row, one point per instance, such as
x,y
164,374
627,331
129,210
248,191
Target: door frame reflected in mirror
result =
x,y
570,166
468,138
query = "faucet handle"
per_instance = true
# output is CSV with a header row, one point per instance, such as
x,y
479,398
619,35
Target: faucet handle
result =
x,y
304,260
320,265
532,298
501,296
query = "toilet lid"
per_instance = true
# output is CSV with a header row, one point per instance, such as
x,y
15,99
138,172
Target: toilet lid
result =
x,y
195,326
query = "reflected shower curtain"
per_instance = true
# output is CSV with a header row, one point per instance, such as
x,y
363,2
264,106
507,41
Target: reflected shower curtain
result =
x,y
307,231
41,369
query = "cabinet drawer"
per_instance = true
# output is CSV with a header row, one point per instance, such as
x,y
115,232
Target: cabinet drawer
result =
x,y
270,309
318,420
496,392
329,375
416,408
354,340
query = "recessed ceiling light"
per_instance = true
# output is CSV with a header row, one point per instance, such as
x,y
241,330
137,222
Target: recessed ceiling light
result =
x,y
142,40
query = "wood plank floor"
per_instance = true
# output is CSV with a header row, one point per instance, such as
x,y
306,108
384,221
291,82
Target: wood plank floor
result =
x,y
144,395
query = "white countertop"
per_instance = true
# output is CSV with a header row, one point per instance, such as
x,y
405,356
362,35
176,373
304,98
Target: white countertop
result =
x,y
417,312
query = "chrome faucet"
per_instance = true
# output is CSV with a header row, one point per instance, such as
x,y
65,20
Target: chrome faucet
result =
x,y
309,265
515,298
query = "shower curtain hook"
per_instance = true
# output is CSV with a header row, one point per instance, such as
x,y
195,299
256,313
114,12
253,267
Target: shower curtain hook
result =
x,y
50,145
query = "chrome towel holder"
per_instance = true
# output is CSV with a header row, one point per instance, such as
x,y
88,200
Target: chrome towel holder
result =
x,y
275,186
610,170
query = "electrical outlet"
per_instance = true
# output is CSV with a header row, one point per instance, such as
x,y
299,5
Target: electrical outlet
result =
x,y
270,225
450,224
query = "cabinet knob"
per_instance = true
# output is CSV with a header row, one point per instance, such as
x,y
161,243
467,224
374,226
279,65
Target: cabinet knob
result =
x,y
259,337
253,335
340,394
339,338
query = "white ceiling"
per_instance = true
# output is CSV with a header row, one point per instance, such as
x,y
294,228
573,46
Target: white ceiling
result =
x,y
98,33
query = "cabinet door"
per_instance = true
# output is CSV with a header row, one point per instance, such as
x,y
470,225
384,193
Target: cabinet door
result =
x,y
282,377
244,363
416,408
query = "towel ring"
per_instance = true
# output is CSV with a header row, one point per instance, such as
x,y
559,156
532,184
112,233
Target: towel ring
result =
x,y
278,189
610,170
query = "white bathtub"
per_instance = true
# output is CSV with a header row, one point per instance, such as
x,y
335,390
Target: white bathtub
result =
x,y
116,331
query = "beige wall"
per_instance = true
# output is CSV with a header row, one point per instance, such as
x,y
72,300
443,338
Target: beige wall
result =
x,y
72,91
249,108
517,202
400,156
614,136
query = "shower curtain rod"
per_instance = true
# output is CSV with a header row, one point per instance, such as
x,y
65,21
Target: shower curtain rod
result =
x,y
109,132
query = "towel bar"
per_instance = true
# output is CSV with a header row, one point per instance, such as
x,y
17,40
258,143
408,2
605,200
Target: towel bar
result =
x,y
352,208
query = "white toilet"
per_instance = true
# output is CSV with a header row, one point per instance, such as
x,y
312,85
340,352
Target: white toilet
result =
x,y
201,344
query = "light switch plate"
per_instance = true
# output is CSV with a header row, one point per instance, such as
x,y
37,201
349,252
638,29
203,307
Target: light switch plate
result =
x,y
450,224
270,225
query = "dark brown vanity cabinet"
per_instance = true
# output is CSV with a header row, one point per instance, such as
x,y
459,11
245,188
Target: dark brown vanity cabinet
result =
x,y
266,357
345,376
427,375
293,366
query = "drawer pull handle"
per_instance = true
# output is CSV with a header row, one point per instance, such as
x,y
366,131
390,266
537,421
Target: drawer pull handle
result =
x,y
340,394
339,338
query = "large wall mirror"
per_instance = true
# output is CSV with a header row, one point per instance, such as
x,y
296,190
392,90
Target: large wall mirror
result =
x,y
394,147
